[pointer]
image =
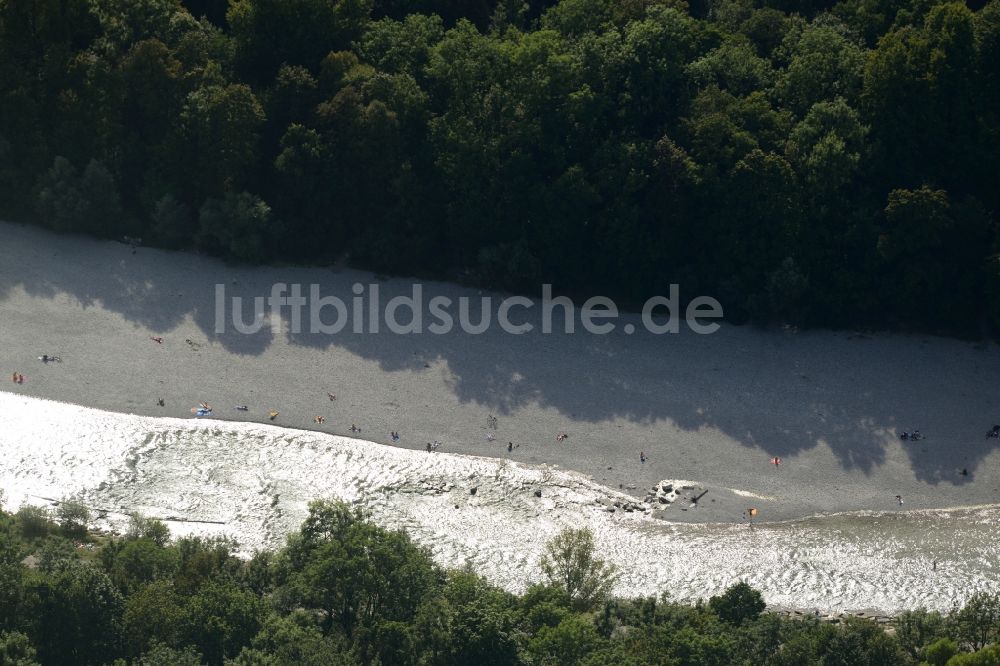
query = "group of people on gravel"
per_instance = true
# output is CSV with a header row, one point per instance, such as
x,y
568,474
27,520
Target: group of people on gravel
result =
x,y
906,435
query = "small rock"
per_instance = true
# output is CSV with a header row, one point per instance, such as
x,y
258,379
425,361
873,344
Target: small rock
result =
x,y
538,493
472,491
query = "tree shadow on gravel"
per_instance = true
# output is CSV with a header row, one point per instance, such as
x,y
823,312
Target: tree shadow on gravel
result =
x,y
782,392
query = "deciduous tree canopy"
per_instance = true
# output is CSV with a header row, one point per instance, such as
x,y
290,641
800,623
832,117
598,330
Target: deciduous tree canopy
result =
x,y
344,592
825,163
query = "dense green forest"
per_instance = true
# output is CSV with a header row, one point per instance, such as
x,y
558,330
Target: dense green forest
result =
x,y
819,162
344,592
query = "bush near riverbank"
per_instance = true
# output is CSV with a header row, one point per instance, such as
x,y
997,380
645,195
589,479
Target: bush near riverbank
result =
x,y
346,592
830,162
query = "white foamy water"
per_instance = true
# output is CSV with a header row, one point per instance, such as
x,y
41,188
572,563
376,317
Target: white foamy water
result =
x,y
253,482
